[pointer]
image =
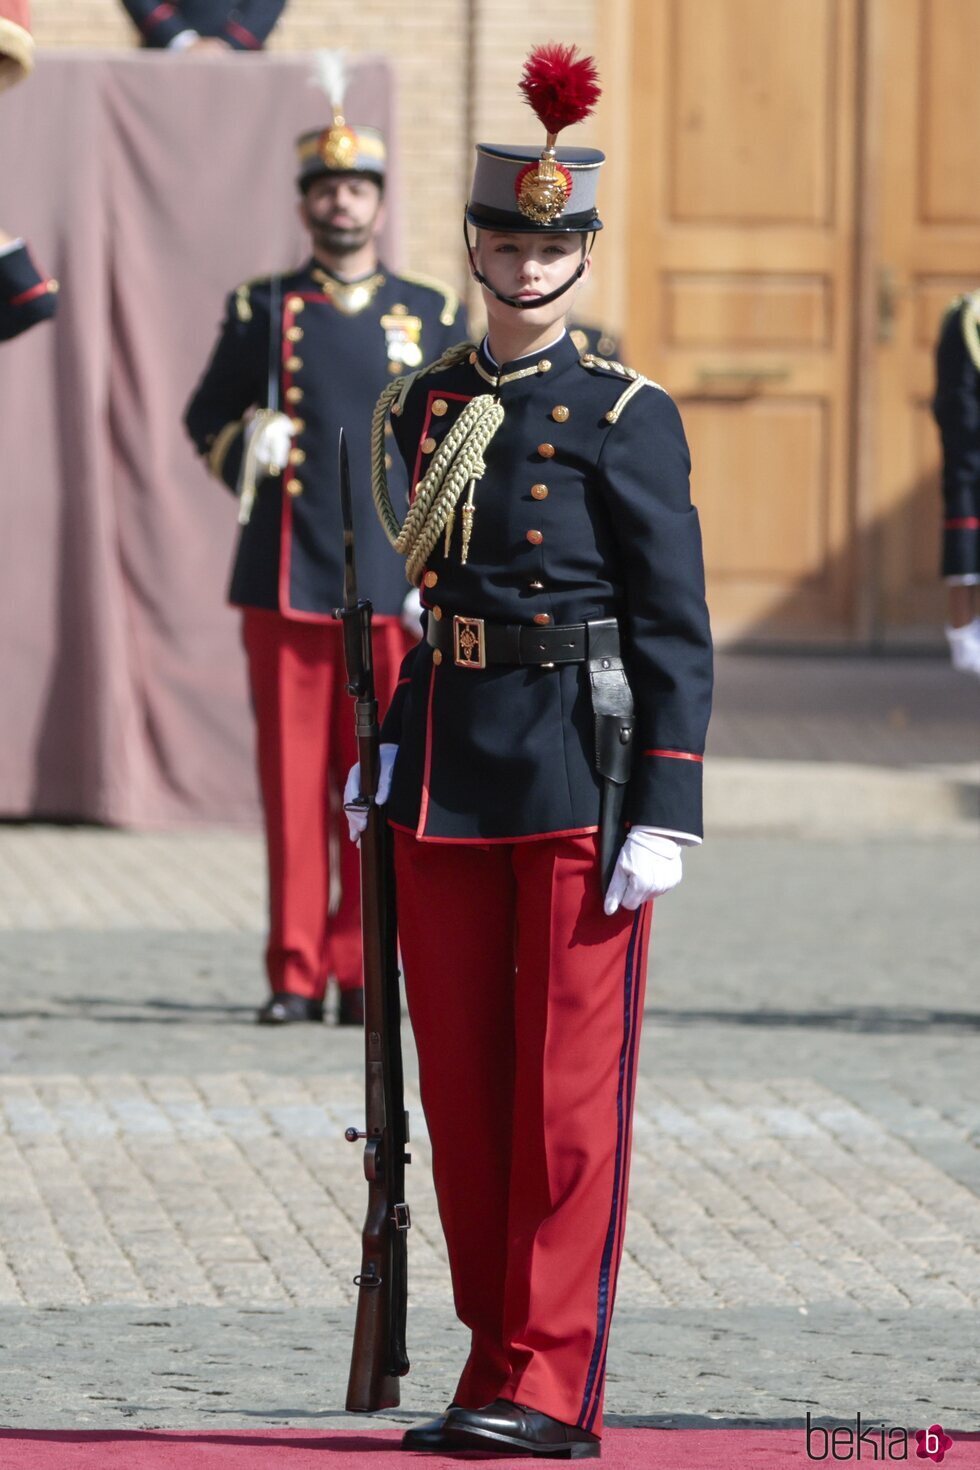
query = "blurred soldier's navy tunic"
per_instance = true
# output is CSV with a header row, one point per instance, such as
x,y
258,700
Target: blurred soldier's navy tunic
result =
x,y
957,410
244,25
26,294
333,361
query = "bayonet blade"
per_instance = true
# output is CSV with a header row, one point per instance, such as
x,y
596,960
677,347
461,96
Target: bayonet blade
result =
x,y
347,515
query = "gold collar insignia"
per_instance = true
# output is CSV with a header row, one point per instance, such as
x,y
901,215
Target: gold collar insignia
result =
x,y
348,297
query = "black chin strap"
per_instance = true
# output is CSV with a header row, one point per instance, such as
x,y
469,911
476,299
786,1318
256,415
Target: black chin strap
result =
x,y
515,301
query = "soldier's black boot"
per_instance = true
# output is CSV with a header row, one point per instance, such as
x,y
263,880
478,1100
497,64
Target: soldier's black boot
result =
x,y
430,1436
284,1007
503,1428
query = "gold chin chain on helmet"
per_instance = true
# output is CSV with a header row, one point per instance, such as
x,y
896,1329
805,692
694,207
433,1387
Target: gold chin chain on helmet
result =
x,y
456,467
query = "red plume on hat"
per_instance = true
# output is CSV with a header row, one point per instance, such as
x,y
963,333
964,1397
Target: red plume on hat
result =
x,y
560,86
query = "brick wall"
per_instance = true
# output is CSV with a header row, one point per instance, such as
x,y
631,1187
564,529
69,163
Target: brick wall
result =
x,y
435,46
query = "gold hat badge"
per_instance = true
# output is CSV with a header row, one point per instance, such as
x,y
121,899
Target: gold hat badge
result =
x,y
562,88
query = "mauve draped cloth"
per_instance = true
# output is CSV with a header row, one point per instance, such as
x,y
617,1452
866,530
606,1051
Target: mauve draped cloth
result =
x,y
150,186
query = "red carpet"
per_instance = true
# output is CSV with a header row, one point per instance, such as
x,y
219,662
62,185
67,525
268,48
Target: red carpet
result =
x,y
297,1449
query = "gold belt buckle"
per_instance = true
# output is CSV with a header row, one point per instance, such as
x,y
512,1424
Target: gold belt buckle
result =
x,y
469,650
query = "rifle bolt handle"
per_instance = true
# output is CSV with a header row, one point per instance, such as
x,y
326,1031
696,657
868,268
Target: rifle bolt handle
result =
x,y
353,1134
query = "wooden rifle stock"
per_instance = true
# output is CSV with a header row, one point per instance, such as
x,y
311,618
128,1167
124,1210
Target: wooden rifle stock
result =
x,y
379,1356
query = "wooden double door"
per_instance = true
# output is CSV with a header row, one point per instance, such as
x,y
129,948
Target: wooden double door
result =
x,y
801,201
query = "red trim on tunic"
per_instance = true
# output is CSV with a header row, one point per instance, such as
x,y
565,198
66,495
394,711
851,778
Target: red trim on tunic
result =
x,y
401,682
424,803
494,841
677,755
433,394
157,17
963,523
241,34
299,615
41,289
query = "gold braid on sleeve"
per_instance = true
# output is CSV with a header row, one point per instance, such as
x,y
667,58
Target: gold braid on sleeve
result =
x,y
456,467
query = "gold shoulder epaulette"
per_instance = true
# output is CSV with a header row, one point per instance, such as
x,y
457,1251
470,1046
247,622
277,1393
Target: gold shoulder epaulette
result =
x,y
398,391
243,297
450,298
636,380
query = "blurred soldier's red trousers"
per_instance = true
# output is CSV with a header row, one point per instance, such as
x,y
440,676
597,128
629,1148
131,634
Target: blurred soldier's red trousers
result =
x,y
306,746
526,1002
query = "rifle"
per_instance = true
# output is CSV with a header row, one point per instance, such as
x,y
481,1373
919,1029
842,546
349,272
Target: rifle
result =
x,y
379,1357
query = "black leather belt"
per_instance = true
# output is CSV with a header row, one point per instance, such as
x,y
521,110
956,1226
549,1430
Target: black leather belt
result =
x,y
472,643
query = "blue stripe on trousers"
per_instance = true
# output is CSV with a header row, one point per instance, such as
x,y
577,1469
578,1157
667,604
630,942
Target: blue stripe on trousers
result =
x,y
630,991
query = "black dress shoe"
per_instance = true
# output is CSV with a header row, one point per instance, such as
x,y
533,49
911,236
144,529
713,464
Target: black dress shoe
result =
x,y
284,1007
431,1436
351,1009
503,1428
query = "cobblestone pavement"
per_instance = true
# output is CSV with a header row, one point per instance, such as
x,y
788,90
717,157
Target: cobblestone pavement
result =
x,y
181,1215
897,711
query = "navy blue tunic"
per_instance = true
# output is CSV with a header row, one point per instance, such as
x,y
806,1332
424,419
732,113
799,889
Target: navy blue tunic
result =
x,y
332,365
577,518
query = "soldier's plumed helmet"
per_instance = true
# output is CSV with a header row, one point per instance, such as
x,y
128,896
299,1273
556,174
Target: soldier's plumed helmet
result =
x,y
341,149
532,190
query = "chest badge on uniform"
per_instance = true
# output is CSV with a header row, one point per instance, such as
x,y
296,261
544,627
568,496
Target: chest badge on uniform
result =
x,y
403,334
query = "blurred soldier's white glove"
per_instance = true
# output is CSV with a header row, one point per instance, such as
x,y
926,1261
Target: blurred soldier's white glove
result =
x,y
648,865
357,816
411,613
273,441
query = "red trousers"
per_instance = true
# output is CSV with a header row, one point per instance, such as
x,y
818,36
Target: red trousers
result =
x,y
526,1003
305,726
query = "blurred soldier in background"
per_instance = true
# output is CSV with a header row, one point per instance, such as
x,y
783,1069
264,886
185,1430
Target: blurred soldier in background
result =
x,y
205,25
320,343
957,410
26,294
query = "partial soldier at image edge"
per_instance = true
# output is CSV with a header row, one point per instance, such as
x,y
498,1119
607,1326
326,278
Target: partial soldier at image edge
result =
x,y
956,407
27,294
184,25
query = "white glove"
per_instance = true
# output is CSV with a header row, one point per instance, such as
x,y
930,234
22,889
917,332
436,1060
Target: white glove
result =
x,y
273,441
357,816
411,613
648,865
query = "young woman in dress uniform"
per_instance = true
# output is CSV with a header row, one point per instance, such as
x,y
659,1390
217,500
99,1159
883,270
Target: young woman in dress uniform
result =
x,y
542,763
